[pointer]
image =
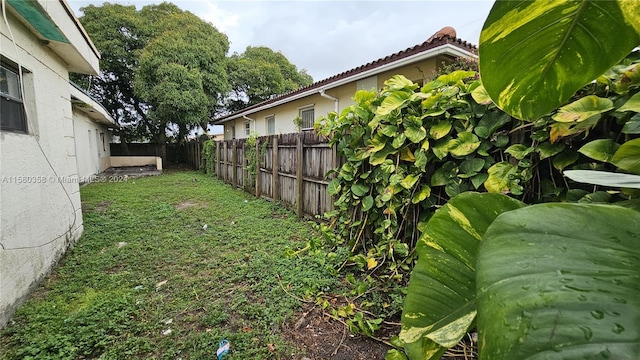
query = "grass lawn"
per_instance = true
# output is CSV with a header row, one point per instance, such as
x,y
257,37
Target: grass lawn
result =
x,y
149,280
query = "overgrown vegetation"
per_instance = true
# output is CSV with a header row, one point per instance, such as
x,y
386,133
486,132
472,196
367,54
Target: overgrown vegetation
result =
x,y
166,268
409,150
208,156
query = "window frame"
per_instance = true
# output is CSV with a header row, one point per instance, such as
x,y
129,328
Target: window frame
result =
x,y
313,119
247,127
270,120
15,102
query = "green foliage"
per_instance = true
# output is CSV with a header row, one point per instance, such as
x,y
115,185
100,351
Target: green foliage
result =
x,y
182,73
164,71
535,56
250,158
145,265
553,280
259,73
208,156
120,34
440,305
297,121
560,289
408,150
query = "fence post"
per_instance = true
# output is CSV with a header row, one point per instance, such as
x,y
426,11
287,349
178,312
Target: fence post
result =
x,y
299,176
217,161
234,164
198,154
275,188
244,167
226,162
258,168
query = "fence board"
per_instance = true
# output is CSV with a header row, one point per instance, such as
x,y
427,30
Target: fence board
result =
x,y
290,168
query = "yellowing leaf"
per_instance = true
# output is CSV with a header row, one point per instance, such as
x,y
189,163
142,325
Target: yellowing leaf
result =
x,y
407,155
583,109
480,95
371,263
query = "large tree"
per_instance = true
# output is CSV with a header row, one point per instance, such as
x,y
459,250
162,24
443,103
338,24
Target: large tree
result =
x,y
120,34
182,73
259,73
162,68
165,71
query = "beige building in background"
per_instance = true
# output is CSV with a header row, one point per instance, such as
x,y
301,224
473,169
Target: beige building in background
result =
x,y
41,42
276,116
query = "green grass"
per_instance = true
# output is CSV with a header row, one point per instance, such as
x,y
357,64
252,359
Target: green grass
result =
x,y
112,300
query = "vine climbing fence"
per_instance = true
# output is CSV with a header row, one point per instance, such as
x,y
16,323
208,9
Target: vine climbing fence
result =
x,y
287,168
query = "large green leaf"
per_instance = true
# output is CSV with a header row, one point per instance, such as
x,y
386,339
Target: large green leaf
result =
x,y
395,100
465,144
583,109
534,55
633,104
502,178
601,149
604,178
632,126
560,281
627,157
440,129
491,122
440,305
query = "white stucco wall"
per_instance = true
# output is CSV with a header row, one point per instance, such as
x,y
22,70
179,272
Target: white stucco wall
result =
x,y
92,145
40,209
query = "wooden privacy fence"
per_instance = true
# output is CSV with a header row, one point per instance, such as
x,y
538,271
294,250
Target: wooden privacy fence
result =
x,y
189,153
289,168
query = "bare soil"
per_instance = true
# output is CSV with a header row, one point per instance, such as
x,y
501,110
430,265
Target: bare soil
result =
x,y
324,338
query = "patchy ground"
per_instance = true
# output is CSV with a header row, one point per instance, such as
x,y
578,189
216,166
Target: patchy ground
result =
x,y
324,338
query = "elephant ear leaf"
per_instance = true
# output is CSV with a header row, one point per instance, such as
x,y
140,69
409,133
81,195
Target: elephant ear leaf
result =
x,y
440,305
560,281
534,55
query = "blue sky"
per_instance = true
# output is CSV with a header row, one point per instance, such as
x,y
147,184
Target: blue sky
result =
x,y
329,37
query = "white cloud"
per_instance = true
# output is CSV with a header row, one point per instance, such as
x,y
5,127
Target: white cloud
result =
x,y
328,37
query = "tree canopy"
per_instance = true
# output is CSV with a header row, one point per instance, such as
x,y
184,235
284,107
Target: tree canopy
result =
x,y
120,34
164,71
260,72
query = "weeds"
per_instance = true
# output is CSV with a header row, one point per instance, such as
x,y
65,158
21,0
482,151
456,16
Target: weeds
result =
x,y
149,280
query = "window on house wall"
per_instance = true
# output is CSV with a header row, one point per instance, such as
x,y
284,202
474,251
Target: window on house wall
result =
x,y
308,118
247,128
11,103
233,132
271,124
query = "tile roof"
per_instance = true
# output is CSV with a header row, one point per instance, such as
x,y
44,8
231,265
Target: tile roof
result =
x,y
446,36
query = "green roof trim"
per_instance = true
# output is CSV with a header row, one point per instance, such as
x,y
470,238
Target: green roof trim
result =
x,y
35,15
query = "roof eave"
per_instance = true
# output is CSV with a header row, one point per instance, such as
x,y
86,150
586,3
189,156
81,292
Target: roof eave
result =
x,y
445,49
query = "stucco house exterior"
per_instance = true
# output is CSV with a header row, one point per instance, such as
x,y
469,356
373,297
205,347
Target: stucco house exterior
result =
x,y
92,134
41,42
276,116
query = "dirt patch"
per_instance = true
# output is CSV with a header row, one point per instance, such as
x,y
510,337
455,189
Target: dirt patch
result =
x,y
100,207
323,338
189,204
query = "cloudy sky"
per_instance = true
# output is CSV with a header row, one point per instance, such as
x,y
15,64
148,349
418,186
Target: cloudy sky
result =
x,y
329,37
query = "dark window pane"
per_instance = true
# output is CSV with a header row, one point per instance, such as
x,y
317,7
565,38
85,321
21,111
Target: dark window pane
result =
x,y
13,117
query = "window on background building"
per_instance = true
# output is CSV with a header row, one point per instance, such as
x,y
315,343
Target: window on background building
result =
x,y
271,125
233,132
247,128
308,118
11,103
